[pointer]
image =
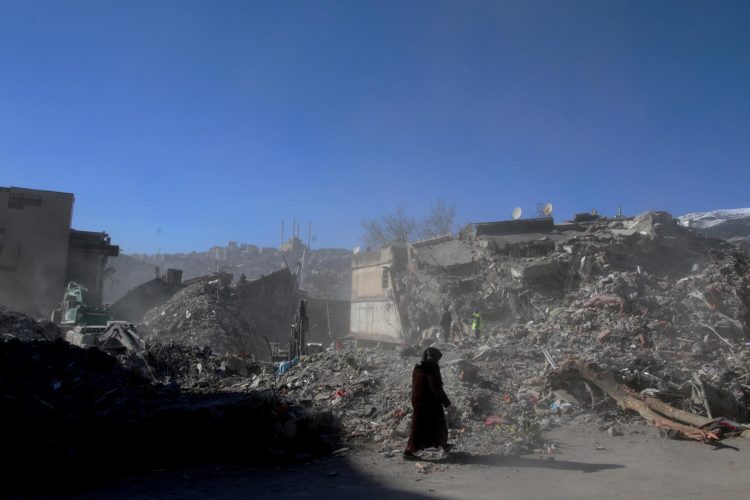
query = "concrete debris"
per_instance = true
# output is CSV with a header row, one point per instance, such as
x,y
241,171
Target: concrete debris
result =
x,y
637,326
593,323
134,304
14,325
678,422
81,417
445,254
226,318
190,367
368,390
645,299
541,274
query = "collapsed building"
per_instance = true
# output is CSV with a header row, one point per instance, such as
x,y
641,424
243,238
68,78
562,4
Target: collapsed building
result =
x,y
591,322
509,270
40,252
226,317
584,322
243,316
374,309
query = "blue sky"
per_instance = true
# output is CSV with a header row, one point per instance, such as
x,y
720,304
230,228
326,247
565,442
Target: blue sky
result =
x,y
216,120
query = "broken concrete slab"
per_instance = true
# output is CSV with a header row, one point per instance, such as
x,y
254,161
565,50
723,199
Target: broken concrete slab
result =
x,y
530,271
449,255
519,226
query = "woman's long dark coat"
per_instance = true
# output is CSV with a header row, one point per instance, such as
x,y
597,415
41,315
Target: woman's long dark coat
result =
x,y
428,427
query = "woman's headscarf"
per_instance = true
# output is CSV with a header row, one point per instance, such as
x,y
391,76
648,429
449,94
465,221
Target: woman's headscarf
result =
x,y
431,354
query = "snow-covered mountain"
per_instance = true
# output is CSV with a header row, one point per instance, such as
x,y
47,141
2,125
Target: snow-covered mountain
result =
x,y
729,224
703,220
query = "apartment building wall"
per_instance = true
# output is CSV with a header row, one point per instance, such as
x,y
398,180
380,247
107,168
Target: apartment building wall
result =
x,y
34,235
374,314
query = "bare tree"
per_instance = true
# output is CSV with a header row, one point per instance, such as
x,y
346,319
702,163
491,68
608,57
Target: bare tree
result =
x,y
394,227
399,225
439,221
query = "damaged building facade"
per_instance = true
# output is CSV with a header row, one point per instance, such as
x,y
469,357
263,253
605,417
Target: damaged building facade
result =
x,y
374,312
388,307
40,252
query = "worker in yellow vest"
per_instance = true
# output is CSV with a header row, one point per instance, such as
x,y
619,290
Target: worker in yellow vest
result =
x,y
476,324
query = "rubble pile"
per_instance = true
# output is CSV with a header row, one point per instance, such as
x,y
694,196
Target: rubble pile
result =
x,y
136,302
662,339
80,416
513,279
646,312
369,390
675,340
199,315
189,366
14,325
227,318
663,310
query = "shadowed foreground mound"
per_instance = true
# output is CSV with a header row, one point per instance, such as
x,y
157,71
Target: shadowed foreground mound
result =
x,y
77,417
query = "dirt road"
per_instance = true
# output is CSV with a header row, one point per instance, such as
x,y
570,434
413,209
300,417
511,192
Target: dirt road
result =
x,y
586,464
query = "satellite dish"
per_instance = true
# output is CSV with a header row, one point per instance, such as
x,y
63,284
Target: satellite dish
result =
x,y
516,213
547,210
356,250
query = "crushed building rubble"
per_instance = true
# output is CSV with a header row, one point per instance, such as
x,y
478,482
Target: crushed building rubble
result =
x,y
657,307
228,318
14,325
81,417
593,323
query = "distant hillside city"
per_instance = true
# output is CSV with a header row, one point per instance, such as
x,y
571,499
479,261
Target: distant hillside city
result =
x,y
326,272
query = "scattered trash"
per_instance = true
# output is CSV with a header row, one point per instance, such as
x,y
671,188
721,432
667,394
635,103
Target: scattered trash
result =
x,y
285,366
614,431
494,420
557,406
423,468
